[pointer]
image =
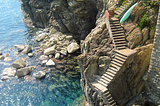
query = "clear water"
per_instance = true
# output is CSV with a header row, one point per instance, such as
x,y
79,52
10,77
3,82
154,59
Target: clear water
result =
x,y
55,90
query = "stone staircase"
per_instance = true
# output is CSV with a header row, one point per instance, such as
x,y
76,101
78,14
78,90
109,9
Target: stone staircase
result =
x,y
118,35
122,9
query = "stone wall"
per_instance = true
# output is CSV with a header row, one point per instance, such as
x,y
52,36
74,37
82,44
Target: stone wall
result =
x,y
154,68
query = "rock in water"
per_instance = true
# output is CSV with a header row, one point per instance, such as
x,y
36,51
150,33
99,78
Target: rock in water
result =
x,y
50,63
27,49
39,74
49,50
19,47
5,78
23,71
30,54
43,57
0,53
19,63
7,59
41,36
1,57
10,72
72,47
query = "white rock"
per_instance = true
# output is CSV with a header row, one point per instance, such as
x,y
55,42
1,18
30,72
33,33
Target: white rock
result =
x,y
5,78
72,47
50,63
43,57
69,37
50,50
41,36
19,47
10,72
39,74
20,63
23,71
63,51
27,49
57,56
1,57
44,62
7,59
30,54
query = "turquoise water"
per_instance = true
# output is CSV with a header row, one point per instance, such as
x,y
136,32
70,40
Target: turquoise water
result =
x,y
55,90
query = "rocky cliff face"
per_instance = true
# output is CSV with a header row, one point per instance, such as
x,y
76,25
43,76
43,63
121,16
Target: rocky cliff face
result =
x,y
76,17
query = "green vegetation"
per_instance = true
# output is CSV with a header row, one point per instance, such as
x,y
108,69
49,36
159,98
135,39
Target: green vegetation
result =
x,y
145,21
151,2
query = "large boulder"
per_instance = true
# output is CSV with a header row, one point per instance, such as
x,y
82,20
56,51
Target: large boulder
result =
x,y
10,72
50,50
39,74
20,63
135,38
23,71
27,49
72,47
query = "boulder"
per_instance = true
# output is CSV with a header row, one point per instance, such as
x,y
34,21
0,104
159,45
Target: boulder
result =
x,y
50,63
7,59
1,57
43,57
63,51
50,50
23,71
152,32
72,47
27,49
10,72
145,33
19,47
20,63
41,36
135,38
39,74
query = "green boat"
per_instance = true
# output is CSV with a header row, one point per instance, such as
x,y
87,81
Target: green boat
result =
x,y
127,14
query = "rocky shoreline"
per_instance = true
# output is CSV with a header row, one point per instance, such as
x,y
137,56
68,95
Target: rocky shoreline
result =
x,y
55,51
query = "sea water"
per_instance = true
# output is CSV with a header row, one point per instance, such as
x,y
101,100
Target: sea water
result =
x,y
55,90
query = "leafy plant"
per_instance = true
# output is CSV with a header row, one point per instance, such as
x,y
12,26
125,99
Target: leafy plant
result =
x,y
145,21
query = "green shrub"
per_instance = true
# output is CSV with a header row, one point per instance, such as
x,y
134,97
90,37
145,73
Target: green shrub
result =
x,y
145,21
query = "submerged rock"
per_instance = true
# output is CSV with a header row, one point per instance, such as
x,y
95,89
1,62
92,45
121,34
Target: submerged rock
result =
x,y
39,74
20,63
5,78
7,59
1,57
27,49
50,50
23,71
19,47
72,47
10,72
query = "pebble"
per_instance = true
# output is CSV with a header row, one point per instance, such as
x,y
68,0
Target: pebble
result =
x,y
30,54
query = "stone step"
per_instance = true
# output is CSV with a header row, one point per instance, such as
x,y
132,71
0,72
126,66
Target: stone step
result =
x,y
99,87
103,80
110,74
114,69
114,104
121,45
106,92
119,53
121,56
116,32
118,39
120,59
115,66
115,24
118,36
117,60
111,71
120,48
119,29
110,98
107,76
120,42
111,102
116,27
116,63
102,83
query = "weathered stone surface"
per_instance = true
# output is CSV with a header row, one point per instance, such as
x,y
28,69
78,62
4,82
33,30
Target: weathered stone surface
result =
x,y
19,47
39,74
10,72
43,57
72,47
50,63
152,32
23,71
145,33
41,36
50,50
57,56
1,57
20,63
27,49
135,38
63,51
